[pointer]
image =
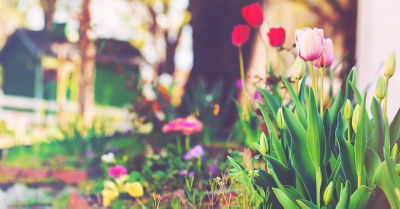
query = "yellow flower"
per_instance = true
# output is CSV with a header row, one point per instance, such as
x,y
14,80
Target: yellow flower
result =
x,y
121,181
263,144
108,196
356,116
216,109
390,65
134,189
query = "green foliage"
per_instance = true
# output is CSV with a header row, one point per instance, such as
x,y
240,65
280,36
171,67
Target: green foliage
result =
x,y
319,154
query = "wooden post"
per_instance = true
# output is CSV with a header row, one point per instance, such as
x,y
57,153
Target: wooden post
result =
x,y
88,64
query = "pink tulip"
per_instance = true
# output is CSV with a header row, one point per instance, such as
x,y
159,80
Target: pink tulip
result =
x,y
326,58
309,43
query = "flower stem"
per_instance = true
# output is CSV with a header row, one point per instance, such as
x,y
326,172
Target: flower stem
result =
x,y
179,146
348,131
318,180
242,76
358,180
321,109
312,77
199,165
385,102
187,143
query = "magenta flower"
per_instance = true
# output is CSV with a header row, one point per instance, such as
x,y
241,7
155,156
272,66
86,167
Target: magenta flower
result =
x,y
213,169
256,95
196,152
117,171
191,174
239,84
182,172
326,58
309,43
188,126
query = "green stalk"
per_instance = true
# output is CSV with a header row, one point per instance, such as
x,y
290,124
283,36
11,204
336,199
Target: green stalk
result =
x,y
242,76
179,146
199,165
348,131
318,180
187,142
312,77
386,96
322,93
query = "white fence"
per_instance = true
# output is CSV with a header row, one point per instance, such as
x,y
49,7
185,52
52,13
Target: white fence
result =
x,y
39,110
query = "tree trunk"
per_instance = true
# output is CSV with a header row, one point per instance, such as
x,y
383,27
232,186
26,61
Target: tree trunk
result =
x,y
49,7
88,64
215,58
349,28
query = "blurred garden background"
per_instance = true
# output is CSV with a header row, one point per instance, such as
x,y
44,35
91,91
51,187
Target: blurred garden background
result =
x,y
138,103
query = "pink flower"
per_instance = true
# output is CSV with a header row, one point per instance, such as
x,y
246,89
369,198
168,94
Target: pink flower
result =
x,y
238,84
276,36
326,58
256,95
240,34
173,126
253,14
309,43
117,171
188,126
196,152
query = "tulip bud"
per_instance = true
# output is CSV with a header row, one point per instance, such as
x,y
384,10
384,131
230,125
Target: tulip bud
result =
x,y
298,68
280,122
390,65
263,144
328,193
348,110
380,89
395,152
356,116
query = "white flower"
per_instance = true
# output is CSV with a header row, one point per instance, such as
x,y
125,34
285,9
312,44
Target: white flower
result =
x,y
147,73
148,92
108,158
165,80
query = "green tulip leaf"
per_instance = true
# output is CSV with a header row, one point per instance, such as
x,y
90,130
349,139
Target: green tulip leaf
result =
x,y
272,104
264,180
344,198
346,151
360,198
285,201
298,105
377,138
360,144
276,143
395,129
300,159
383,180
305,204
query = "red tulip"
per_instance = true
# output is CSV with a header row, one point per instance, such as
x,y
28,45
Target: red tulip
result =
x,y
253,14
240,34
276,36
